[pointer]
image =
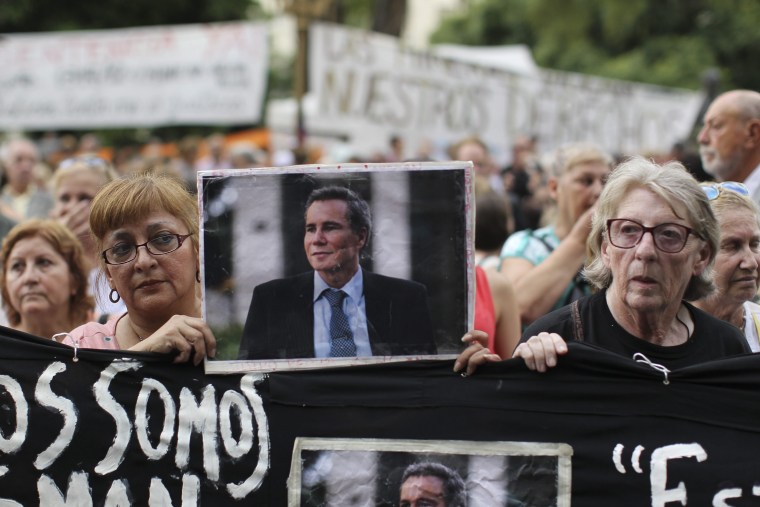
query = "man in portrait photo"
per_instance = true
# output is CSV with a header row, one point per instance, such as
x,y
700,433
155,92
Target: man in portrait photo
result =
x,y
431,485
338,309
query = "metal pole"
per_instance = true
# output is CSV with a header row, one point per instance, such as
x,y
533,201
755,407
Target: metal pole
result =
x,y
304,11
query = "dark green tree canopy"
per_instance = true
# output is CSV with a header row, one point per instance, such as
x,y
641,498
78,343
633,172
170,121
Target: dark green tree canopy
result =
x,y
666,42
51,15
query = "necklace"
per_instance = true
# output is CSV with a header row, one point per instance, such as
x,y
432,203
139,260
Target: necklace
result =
x,y
139,338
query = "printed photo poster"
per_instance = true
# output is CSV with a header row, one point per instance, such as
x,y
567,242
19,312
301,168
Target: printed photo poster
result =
x,y
389,245
390,473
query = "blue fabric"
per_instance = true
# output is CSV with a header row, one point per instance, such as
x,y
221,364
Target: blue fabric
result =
x,y
341,338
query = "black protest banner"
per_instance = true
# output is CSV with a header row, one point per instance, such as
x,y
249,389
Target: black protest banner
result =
x,y
122,429
134,429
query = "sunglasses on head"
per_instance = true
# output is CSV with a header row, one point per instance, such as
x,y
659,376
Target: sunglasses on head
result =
x,y
713,191
86,160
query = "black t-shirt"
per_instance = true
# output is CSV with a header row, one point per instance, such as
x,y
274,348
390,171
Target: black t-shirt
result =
x,y
712,337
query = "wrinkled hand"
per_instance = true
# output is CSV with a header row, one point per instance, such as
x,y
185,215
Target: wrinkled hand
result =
x,y
582,227
76,218
475,354
189,336
540,352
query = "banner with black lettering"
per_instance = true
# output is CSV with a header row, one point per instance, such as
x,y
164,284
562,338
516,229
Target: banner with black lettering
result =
x,y
370,86
105,428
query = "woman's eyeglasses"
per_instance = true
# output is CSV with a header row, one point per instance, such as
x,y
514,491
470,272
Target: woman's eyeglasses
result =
x,y
668,237
122,253
712,191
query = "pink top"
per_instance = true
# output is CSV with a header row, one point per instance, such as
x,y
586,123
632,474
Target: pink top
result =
x,y
95,335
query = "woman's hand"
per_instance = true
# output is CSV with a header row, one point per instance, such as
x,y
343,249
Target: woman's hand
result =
x,y
540,352
189,336
475,354
582,227
76,218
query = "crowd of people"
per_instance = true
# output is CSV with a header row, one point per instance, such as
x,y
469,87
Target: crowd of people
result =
x,y
72,264
673,264
634,255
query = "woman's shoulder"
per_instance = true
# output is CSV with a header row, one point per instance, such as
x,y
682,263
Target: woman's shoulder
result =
x,y
534,245
752,308
590,309
707,320
488,261
94,335
557,321
722,333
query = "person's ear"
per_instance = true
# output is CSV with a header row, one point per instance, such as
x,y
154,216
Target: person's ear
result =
x,y
109,278
703,259
753,133
552,185
363,237
603,252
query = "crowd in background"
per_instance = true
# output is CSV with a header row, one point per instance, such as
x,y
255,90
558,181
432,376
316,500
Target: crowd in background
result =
x,y
533,215
32,168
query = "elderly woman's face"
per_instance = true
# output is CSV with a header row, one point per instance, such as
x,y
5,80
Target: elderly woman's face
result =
x,y
736,266
645,278
154,285
40,283
579,188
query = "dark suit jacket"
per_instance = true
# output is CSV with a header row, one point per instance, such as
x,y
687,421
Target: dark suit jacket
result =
x,y
280,322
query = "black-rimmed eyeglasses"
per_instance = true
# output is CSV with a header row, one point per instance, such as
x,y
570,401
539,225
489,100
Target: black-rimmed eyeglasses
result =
x,y
668,237
121,253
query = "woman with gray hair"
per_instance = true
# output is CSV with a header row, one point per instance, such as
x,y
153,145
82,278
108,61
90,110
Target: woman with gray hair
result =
x,y
652,245
737,265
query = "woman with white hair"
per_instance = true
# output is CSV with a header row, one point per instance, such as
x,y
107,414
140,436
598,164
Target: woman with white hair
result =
x,y
653,242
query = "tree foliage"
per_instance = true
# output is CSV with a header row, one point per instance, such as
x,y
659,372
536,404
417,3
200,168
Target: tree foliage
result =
x,y
666,42
53,15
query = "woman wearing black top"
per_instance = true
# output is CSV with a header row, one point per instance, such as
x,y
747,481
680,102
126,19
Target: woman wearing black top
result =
x,y
652,246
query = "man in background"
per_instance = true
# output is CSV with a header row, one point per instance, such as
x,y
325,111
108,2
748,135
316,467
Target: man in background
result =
x,y
21,197
729,142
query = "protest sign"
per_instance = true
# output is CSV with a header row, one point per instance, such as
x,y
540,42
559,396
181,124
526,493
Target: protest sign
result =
x,y
92,427
134,77
368,87
416,262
